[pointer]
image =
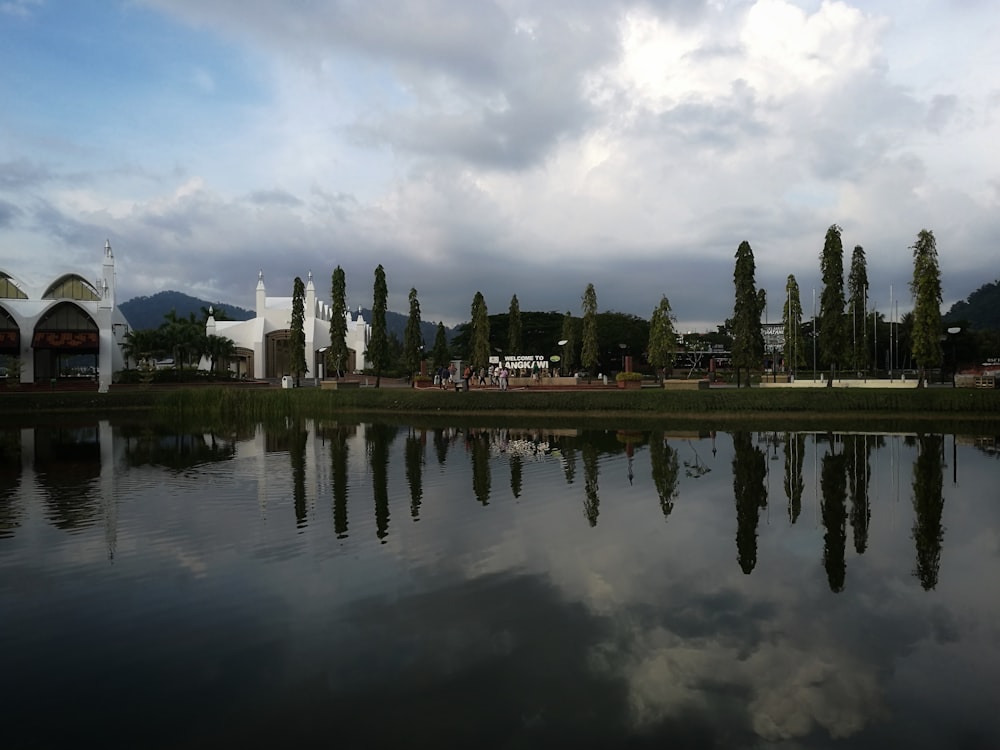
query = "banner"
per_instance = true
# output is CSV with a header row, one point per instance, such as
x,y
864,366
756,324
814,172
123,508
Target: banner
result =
x,y
65,340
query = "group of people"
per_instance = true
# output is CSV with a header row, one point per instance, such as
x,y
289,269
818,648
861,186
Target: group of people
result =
x,y
498,376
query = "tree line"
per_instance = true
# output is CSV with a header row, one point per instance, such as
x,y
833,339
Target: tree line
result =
x,y
847,335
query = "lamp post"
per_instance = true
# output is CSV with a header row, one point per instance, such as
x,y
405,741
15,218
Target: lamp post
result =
x,y
953,331
565,360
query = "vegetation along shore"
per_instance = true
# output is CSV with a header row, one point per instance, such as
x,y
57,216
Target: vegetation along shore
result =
x,y
820,406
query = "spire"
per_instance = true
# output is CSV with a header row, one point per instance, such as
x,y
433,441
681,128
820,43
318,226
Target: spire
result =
x,y
261,294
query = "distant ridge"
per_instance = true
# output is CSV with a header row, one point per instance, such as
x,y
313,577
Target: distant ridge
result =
x,y
148,312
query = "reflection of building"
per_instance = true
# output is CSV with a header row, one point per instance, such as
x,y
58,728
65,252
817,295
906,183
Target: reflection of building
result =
x,y
262,343
68,324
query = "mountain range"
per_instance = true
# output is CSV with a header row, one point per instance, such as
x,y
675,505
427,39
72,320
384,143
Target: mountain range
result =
x,y
148,312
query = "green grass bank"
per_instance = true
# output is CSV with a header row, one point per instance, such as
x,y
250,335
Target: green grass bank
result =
x,y
801,406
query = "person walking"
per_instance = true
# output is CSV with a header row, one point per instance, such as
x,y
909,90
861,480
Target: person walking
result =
x,y
504,374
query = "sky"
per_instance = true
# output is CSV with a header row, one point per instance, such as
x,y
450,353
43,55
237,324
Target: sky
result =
x,y
509,147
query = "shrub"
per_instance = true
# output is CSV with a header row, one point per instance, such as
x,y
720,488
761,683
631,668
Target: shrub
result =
x,y
628,376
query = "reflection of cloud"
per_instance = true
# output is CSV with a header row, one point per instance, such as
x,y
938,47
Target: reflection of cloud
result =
x,y
802,689
792,691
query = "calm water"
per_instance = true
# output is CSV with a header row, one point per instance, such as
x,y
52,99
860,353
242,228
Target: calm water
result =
x,y
374,585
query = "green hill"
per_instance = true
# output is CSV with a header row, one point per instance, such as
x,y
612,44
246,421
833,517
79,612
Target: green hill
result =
x,y
981,311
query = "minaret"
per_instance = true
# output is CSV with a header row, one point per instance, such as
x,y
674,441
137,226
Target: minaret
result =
x,y
310,301
261,294
210,323
106,347
108,280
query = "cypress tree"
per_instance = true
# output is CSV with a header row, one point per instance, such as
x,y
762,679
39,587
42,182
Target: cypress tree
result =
x,y
662,346
378,346
791,317
297,342
514,327
832,323
479,355
413,340
588,355
857,303
926,290
337,354
748,337
440,354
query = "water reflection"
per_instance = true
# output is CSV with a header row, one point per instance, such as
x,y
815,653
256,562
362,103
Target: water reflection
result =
x,y
928,504
558,585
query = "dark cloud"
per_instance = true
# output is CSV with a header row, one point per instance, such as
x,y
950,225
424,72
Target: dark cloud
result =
x,y
9,213
274,197
23,174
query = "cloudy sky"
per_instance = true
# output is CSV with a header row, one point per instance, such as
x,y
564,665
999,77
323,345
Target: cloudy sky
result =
x,y
503,146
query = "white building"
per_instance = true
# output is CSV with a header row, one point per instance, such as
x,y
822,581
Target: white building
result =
x,y
44,328
262,343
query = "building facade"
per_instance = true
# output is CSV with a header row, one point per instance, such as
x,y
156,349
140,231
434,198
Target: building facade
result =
x,y
67,328
263,342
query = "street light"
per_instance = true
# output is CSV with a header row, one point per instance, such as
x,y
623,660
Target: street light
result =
x,y
954,361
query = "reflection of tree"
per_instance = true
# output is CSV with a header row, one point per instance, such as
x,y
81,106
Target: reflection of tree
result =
x,y
515,475
665,472
750,491
378,437
569,461
795,448
414,471
928,502
298,437
338,472
481,480
833,486
175,450
592,504
10,479
441,445
857,449
695,468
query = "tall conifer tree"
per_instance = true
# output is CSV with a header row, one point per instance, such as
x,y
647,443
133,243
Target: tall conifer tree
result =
x,y
568,348
337,354
297,342
662,346
440,354
857,303
479,356
791,317
378,345
748,337
832,323
514,327
588,354
413,340
926,290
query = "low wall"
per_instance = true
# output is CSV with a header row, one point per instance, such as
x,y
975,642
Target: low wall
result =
x,y
338,385
843,383
686,385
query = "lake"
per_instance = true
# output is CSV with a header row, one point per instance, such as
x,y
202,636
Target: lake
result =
x,y
359,585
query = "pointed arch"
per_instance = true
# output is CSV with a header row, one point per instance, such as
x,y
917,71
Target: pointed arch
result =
x,y
72,286
9,288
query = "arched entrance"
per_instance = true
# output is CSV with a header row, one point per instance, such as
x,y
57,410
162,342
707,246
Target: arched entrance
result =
x,y
10,335
66,341
242,362
277,353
